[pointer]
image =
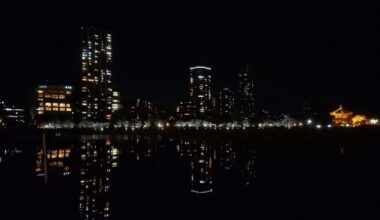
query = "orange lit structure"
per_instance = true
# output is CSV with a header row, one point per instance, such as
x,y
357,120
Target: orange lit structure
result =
x,y
341,117
359,120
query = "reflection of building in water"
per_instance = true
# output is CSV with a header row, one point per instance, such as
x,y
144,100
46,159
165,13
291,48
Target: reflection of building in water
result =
x,y
7,153
248,158
141,148
201,157
227,156
98,157
184,148
58,161
201,164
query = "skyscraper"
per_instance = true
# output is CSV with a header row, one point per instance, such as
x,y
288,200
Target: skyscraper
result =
x,y
200,90
116,105
226,104
245,96
96,94
186,110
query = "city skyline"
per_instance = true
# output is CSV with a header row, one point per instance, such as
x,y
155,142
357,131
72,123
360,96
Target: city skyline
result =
x,y
295,57
195,110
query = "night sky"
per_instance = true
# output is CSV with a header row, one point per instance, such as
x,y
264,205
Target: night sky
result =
x,y
322,54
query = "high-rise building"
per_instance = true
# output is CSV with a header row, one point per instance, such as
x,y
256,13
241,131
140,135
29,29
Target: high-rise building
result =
x,y
54,103
245,96
96,93
116,104
186,110
200,90
226,103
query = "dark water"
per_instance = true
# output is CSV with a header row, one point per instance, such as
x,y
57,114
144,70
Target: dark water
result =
x,y
144,177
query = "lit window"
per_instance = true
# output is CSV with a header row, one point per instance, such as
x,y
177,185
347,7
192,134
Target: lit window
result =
x,y
47,104
62,105
55,104
53,154
55,109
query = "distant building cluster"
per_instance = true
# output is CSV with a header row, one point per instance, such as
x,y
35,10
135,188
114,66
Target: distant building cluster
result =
x,y
226,105
11,116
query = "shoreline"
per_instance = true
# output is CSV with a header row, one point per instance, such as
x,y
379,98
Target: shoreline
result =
x,y
345,135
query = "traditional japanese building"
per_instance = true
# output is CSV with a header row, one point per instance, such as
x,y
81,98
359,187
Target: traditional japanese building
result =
x,y
341,117
359,120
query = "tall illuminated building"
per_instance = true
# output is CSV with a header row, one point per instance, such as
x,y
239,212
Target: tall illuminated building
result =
x,y
245,96
116,104
186,110
96,92
54,103
200,90
226,104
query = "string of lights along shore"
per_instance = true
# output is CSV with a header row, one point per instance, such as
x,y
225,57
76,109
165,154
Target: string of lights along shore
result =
x,y
97,101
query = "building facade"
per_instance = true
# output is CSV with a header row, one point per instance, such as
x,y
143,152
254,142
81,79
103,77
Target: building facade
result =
x,y
186,110
245,96
116,103
54,103
96,91
200,90
344,118
226,104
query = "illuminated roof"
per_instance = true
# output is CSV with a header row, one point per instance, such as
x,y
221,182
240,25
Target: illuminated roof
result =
x,y
66,87
340,111
200,67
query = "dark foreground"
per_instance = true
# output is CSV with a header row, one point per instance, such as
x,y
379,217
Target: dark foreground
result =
x,y
262,175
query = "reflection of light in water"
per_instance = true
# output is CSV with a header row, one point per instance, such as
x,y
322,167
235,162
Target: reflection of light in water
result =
x,y
227,157
200,155
342,151
141,148
98,157
249,169
8,153
58,161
